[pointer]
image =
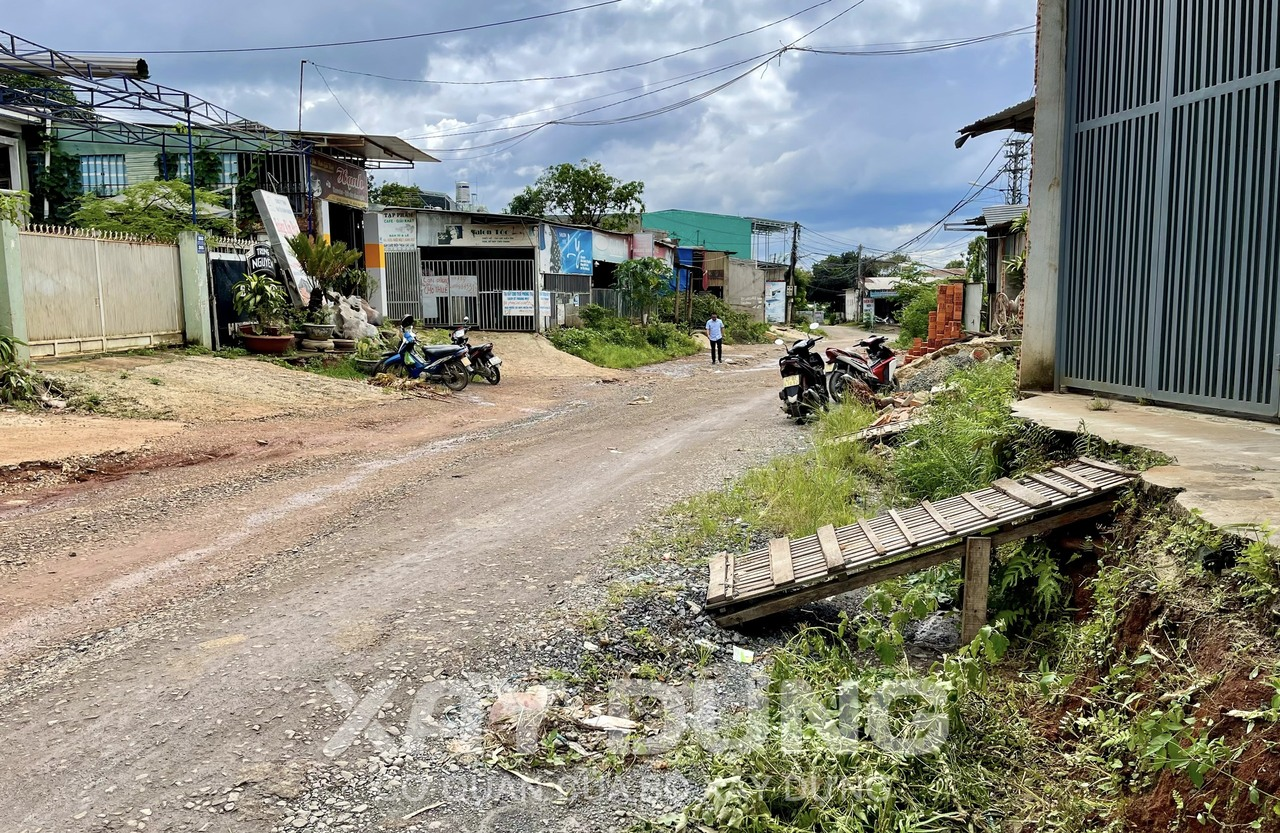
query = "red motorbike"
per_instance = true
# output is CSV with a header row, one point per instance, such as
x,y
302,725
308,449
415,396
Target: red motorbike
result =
x,y
483,363
874,366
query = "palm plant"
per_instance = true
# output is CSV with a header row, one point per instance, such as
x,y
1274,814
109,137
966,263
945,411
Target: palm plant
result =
x,y
325,262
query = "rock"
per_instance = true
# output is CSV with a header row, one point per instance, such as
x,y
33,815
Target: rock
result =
x,y
516,717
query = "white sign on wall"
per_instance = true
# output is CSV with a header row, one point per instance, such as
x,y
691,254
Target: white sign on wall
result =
x,y
775,302
398,231
517,302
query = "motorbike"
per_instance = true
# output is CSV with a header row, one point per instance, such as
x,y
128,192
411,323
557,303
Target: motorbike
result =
x,y
483,363
444,363
876,368
804,390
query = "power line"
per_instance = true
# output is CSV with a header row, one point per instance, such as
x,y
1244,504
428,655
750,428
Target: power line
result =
x,y
865,52
336,99
387,39
593,72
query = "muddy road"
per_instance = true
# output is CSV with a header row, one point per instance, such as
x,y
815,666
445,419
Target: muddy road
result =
x,y
168,632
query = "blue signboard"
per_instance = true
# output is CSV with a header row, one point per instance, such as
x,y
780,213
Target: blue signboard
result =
x,y
570,251
201,248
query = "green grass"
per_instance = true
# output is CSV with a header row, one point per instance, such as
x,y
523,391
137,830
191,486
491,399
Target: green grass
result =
x,y
609,341
331,367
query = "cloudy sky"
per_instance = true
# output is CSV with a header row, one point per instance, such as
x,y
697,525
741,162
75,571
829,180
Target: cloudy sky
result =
x,y
858,149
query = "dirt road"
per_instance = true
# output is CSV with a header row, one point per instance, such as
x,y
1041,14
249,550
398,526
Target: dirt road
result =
x,y
167,634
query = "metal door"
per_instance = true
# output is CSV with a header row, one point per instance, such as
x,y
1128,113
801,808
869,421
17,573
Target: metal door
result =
x,y
1171,253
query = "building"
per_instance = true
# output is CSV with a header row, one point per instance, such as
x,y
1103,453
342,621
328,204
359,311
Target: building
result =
x,y
1154,259
747,238
327,184
13,150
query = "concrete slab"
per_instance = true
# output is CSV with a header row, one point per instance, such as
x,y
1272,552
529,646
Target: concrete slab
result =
x,y
1227,469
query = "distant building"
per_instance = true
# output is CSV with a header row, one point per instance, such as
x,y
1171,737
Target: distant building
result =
x,y
748,238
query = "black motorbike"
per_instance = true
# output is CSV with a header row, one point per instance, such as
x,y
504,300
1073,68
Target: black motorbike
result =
x,y
483,362
804,388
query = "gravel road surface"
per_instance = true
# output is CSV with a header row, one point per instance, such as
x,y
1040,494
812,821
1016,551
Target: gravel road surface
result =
x,y
170,634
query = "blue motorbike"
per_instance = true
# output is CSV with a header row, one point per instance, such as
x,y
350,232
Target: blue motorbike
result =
x,y
447,364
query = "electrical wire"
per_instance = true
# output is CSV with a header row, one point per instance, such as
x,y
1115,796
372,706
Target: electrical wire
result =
x,y
918,50
336,99
593,72
387,39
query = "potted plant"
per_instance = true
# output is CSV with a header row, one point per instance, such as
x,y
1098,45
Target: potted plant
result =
x,y
263,298
368,355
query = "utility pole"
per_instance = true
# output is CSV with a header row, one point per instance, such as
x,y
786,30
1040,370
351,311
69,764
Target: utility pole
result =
x,y
1015,154
791,273
862,284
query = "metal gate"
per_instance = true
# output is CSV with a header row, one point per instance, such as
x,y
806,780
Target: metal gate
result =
x,y
1171,252
495,294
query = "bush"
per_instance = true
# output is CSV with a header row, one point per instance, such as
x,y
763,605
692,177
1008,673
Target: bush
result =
x,y
610,341
739,327
960,444
918,300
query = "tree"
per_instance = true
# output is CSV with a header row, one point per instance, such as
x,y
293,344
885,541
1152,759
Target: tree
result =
x,y
584,194
157,209
325,262
35,90
835,273
393,193
643,281
57,183
955,263
975,264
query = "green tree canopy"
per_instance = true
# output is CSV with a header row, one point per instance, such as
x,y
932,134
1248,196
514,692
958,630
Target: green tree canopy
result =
x,y
955,263
835,273
393,193
157,209
40,88
584,194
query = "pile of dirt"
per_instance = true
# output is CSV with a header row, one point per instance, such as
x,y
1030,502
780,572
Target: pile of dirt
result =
x,y
529,355
207,388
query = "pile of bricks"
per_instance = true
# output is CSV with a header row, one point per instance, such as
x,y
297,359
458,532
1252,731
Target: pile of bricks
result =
x,y
945,323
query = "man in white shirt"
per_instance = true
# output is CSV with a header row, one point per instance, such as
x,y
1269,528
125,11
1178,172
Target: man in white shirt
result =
x,y
715,332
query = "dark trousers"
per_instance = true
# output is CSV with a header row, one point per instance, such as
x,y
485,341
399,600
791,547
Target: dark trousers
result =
x,y
717,351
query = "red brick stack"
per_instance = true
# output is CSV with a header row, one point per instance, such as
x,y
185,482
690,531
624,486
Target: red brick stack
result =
x,y
945,323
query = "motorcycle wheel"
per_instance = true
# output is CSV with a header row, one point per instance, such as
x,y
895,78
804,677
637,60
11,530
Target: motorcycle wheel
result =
x,y
391,368
456,376
492,375
837,386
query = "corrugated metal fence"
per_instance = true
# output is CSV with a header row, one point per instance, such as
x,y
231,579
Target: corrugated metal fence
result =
x,y
88,292
1171,238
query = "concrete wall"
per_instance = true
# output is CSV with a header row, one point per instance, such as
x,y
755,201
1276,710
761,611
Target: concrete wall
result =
x,y
1040,318
744,287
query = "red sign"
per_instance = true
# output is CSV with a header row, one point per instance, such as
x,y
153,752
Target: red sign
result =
x,y
339,182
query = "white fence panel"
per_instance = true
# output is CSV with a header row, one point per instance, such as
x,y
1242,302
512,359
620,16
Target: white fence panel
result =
x,y
88,294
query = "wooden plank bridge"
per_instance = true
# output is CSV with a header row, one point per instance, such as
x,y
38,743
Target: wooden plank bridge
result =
x,y
787,573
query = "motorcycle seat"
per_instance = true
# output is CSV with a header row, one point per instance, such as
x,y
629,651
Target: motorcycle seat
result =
x,y
437,351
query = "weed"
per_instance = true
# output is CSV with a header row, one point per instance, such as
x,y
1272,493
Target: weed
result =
x,y
1097,403
124,374
959,445
1257,571
155,381
1088,444
611,341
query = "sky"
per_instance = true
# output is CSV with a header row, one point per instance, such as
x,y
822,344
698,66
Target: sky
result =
x,y
857,149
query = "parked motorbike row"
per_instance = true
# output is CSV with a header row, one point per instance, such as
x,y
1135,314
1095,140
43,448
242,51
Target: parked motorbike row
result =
x,y
811,382
452,365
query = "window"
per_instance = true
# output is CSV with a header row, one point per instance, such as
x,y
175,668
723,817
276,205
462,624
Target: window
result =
x,y
229,175
103,174
10,173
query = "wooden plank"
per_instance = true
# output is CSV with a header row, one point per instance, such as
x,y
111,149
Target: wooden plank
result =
x,y
942,522
830,548
979,505
1098,464
910,564
903,528
871,537
1057,487
1021,493
977,574
731,564
1075,478
780,566
716,582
